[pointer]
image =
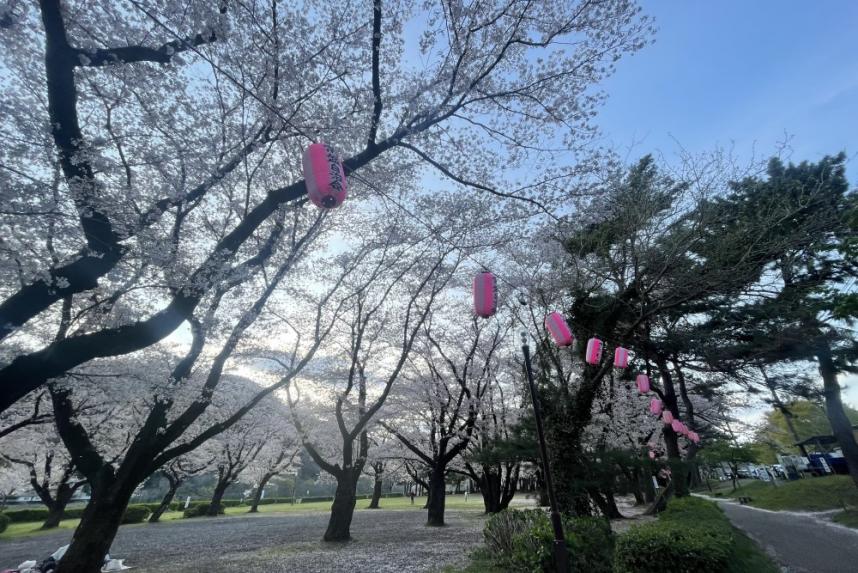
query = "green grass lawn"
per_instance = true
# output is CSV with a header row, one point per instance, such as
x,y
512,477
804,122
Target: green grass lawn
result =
x,y
456,502
809,494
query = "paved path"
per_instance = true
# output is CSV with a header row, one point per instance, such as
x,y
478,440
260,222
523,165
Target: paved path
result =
x,y
800,542
385,542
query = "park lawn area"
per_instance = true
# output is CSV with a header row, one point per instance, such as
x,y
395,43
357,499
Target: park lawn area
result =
x,y
809,494
458,502
849,518
29,528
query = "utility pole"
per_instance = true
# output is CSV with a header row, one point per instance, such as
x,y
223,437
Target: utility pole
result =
x,y
561,557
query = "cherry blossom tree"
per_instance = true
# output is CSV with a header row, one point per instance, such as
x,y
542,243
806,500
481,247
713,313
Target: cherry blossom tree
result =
x,y
494,456
152,148
389,303
240,446
43,465
25,413
381,459
52,476
276,457
177,471
451,375
168,397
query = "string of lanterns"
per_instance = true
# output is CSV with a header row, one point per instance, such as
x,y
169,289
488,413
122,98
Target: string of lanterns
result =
x,y
485,306
327,188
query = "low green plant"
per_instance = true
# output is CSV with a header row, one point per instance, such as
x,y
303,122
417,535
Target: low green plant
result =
x,y
4,522
691,536
135,514
200,510
849,518
524,541
40,514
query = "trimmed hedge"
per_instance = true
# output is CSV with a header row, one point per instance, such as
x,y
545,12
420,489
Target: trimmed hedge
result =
x,y
524,541
135,514
4,522
201,510
320,498
272,500
41,514
692,536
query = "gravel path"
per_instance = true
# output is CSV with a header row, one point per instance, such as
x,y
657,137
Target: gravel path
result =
x,y
800,542
384,542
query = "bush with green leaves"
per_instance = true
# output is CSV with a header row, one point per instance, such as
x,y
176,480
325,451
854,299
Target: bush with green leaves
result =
x,y
135,514
691,536
201,510
4,522
40,514
317,498
524,541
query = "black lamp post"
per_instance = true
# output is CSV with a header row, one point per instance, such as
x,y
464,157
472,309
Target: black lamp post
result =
x,y
561,557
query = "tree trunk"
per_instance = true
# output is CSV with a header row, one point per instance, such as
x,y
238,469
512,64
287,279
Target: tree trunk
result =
x,y
98,525
437,497
257,495
633,476
55,515
490,490
165,503
787,414
217,497
613,510
647,485
376,491
343,508
496,489
840,424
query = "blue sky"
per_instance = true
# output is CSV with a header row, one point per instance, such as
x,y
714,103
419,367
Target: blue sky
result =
x,y
740,73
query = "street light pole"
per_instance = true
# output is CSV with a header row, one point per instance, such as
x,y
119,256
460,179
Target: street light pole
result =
x,y
561,557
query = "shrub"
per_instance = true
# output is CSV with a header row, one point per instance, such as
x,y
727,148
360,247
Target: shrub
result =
x,y
524,541
200,510
691,536
503,528
40,514
4,522
135,514
272,500
312,499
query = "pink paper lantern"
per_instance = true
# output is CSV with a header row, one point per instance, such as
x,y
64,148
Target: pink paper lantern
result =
x,y
559,330
677,426
324,176
694,436
667,417
485,294
655,406
621,357
643,383
594,351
